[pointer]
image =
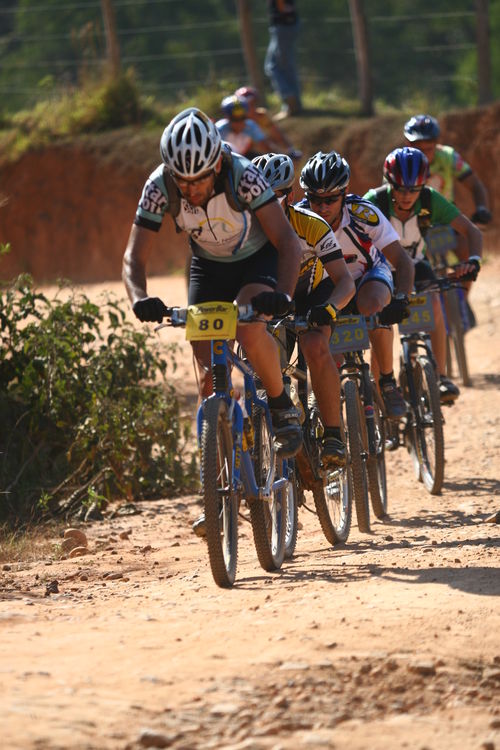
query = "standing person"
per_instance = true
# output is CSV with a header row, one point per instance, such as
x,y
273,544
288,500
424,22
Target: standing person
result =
x,y
368,242
243,249
279,140
242,133
409,204
280,64
324,287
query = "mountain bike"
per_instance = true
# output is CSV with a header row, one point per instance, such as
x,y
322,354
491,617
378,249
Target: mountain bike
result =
x,y
331,487
238,460
365,417
441,241
422,427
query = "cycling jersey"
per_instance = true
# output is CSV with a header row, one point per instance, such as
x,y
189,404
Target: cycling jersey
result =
x,y
318,244
241,142
217,231
362,235
441,211
447,166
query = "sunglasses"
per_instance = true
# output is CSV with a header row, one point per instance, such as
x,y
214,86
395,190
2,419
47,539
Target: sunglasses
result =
x,y
404,189
282,193
183,184
318,199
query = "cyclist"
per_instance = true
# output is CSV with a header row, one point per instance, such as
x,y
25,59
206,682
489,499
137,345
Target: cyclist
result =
x,y
324,286
239,130
243,248
446,166
368,242
411,207
279,140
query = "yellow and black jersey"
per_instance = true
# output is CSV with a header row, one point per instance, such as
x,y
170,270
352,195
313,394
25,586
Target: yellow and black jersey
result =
x,y
319,246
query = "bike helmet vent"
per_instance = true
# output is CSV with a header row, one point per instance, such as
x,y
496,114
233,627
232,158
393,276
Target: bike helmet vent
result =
x,y
422,128
325,173
407,167
190,144
277,169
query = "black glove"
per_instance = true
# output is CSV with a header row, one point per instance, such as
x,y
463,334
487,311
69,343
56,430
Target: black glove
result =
x,y
272,303
322,315
471,275
481,215
395,312
150,309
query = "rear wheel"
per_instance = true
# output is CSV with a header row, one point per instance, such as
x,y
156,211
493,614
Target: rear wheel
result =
x,y
268,516
377,478
429,436
292,510
333,495
358,450
220,499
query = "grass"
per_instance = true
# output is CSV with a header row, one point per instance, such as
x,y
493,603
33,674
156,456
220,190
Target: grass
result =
x,y
28,545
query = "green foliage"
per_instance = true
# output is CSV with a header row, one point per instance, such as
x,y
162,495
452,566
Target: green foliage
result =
x,y
86,409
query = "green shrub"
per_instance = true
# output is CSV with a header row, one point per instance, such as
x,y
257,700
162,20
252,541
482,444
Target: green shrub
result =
x,y
85,406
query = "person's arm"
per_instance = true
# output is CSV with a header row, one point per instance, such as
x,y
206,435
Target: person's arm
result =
x,y
135,260
472,234
279,232
405,270
480,196
344,283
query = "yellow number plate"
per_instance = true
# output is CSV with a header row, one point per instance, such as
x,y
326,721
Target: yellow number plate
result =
x,y
211,320
349,335
421,315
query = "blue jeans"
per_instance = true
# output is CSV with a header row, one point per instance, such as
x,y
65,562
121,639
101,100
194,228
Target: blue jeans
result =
x,y
280,64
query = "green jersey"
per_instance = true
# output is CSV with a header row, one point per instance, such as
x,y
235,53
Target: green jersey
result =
x,y
447,166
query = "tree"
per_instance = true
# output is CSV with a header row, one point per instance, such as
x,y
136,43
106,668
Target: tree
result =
x,y
112,47
360,35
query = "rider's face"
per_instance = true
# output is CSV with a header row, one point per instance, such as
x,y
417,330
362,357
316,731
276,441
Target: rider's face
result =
x,y
405,199
426,147
197,190
327,205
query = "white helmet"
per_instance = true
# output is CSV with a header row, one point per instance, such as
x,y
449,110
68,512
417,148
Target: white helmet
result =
x,y
277,169
190,144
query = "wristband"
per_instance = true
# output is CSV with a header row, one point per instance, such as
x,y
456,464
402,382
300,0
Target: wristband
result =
x,y
476,258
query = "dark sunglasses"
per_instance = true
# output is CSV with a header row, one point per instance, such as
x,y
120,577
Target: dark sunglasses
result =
x,y
404,189
283,192
318,199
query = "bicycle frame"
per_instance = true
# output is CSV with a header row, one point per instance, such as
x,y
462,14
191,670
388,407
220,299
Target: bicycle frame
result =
x,y
223,359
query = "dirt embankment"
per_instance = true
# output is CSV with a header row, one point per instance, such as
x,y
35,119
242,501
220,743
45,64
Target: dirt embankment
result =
x,y
67,209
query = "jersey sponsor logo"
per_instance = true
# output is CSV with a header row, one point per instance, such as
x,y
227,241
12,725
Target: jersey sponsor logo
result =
x,y
365,213
252,184
152,199
328,244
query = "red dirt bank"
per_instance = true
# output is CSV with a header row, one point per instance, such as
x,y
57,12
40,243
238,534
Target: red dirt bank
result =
x,y
66,210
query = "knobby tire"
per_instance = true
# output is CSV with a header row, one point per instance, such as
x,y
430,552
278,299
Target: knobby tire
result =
x,y
357,451
430,455
377,478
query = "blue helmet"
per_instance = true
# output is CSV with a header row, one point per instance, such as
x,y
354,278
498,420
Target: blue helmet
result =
x,y
406,167
234,107
422,128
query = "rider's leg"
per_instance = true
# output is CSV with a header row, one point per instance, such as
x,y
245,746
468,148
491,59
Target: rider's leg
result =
x,y
325,380
448,391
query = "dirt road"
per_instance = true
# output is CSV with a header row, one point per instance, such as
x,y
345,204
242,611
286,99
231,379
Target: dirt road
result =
x,y
390,642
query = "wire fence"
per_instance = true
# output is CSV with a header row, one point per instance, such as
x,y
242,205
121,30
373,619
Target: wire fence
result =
x,y
422,51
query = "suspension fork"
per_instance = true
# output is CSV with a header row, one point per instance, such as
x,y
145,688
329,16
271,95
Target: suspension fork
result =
x,y
369,411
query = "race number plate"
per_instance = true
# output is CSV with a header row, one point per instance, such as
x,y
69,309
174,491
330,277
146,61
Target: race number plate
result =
x,y
421,315
211,320
440,240
349,335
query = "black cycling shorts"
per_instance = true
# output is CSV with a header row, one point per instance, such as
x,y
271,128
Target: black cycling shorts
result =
x,y
319,296
211,280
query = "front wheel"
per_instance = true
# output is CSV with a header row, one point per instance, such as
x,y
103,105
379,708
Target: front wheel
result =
x,y
268,516
358,450
429,435
219,497
333,494
292,510
377,478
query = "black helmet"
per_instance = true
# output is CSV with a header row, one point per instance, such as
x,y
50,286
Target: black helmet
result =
x,y
325,173
422,128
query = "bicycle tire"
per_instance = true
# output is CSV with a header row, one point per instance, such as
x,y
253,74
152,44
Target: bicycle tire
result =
x,y
268,517
457,337
292,511
409,430
333,496
377,476
220,500
357,451
429,417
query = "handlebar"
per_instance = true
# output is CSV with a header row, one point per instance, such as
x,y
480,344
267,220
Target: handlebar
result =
x,y
177,316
